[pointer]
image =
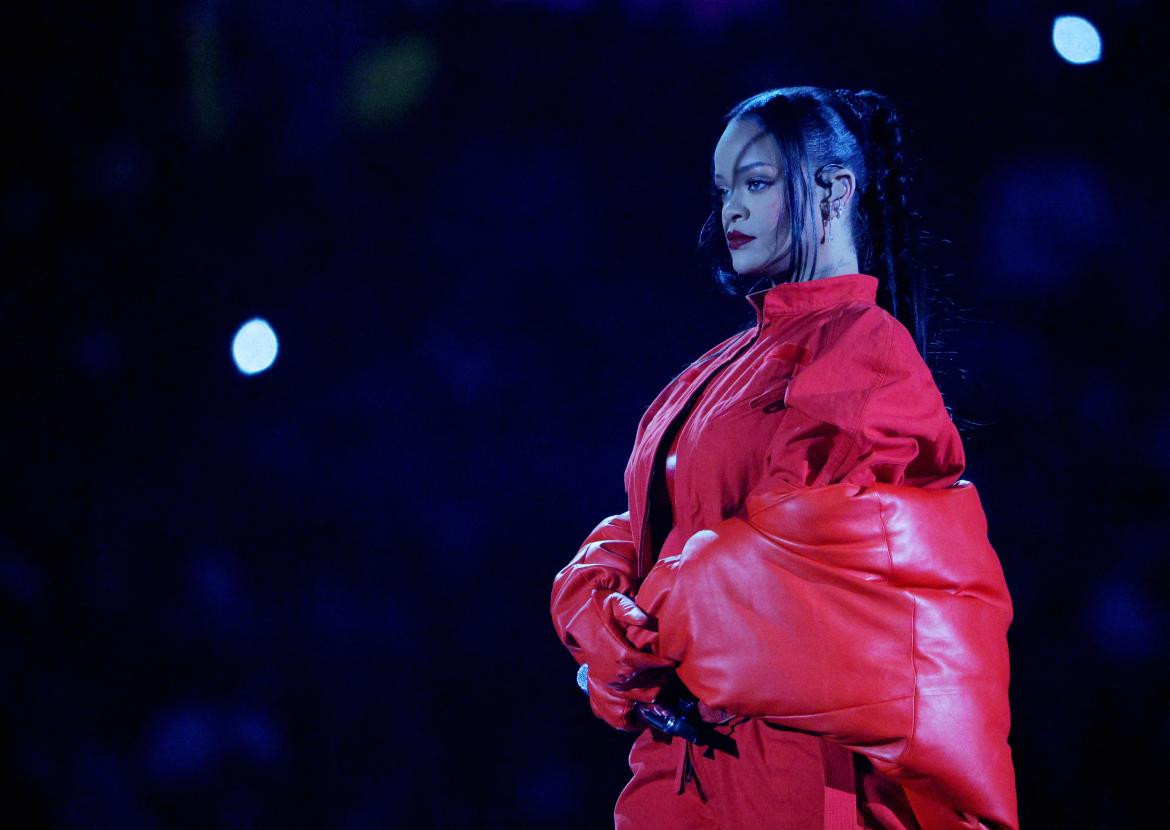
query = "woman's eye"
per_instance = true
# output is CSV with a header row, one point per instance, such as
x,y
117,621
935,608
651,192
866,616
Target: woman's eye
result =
x,y
719,193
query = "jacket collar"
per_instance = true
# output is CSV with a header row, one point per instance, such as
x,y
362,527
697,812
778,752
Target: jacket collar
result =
x,y
798,297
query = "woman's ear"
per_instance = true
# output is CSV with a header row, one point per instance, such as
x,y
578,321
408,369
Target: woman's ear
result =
x,y
836,186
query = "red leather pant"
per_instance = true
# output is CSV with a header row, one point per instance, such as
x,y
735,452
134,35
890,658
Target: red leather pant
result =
x,y
781,780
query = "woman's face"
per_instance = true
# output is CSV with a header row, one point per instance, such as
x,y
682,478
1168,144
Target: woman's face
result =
x,y
748,180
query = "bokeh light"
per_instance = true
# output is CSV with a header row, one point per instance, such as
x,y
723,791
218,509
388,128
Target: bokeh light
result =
x,y
390,81
1076,39
254,346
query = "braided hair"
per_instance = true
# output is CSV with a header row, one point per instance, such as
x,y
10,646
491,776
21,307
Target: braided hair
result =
x,y
893,232
862,131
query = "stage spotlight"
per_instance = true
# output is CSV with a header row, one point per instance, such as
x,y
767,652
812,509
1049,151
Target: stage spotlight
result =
x,y
1076,39
254,346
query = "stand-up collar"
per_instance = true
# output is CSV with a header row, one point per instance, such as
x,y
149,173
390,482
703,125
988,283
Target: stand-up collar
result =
x,y
798,297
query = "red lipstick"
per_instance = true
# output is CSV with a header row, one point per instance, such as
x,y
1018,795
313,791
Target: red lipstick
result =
x,y
736,240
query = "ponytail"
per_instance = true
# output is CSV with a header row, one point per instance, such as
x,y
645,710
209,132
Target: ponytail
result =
x,y
889,233
894,227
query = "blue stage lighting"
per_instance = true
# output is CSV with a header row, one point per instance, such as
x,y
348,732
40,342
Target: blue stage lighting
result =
x,y
1076,39
254,346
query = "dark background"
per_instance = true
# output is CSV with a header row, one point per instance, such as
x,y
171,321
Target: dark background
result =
x,y
317,596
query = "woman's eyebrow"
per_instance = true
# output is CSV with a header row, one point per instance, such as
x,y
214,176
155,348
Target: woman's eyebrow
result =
x,y
747,167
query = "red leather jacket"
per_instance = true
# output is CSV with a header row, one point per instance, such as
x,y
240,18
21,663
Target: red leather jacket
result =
x,y
820,570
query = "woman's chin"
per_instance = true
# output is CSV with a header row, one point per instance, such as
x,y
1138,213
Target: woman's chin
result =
x,y
745,265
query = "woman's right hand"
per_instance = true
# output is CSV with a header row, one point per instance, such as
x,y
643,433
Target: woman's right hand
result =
x,y
620,673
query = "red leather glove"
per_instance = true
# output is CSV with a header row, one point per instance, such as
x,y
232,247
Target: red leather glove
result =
x,y
592,615
619,673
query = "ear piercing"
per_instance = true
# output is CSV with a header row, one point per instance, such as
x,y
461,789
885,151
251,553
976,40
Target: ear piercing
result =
x,y
829,223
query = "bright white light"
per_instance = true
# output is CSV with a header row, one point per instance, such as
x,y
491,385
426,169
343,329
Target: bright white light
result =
x,y
254,346
1076,39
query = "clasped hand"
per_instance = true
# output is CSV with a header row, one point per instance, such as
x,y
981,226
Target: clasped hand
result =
x,y
620,671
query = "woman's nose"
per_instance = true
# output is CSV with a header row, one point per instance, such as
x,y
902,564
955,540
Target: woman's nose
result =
x,y
731,211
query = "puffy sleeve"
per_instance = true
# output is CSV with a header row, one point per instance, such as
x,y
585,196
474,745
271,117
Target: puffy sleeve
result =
x,y
865,410
604,562
874,617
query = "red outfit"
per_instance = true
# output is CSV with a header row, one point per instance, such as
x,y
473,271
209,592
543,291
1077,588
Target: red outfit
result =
x,y
812,573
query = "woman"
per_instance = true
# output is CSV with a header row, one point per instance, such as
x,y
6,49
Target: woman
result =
x,y
799,552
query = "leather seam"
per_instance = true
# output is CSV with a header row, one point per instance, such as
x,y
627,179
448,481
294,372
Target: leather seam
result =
x,y
914,668
897,699
886,539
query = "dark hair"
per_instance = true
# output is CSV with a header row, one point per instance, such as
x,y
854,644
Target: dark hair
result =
x,y
861,131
